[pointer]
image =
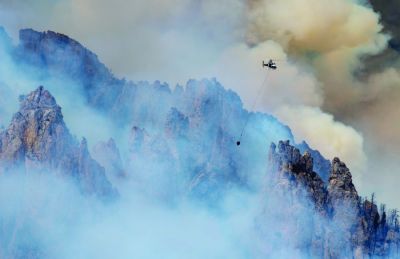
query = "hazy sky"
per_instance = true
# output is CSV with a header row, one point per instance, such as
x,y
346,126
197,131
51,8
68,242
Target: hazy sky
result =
x,y
319,43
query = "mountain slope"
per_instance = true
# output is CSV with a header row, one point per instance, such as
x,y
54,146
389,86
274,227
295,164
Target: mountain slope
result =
x,y
180,143
211,111
346,225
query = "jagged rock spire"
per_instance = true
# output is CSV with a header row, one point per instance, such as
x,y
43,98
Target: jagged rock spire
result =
x,y
108,155
38,139
40,98
295,172
340,181
356,222
37,133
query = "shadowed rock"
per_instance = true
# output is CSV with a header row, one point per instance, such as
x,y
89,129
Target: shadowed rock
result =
x,y
350,226
341,188
295,173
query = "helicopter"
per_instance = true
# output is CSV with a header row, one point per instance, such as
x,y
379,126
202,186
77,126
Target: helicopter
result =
x,y
271,64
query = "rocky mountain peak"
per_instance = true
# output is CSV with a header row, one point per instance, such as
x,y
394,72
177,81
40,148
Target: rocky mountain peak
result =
x,y
62,56
38,99
295,173
108,155
340,181
38,139
321,165
289,158
362,229
37,133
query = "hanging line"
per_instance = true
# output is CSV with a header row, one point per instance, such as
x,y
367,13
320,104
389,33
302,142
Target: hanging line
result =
x,y
260,93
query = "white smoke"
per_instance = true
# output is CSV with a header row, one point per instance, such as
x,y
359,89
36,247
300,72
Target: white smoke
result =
x,y
321,43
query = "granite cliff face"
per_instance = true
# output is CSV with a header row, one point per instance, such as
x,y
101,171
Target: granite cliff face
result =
x,y
38,139
362,229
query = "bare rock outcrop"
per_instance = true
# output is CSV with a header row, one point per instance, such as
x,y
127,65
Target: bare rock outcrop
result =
x,y
341,187
38,139
295,173
348,226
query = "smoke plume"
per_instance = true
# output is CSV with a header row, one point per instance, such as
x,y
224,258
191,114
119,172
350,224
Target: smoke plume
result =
x,y
321,44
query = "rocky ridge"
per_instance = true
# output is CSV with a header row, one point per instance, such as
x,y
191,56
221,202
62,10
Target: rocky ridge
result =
x,y
364,230
201,112
206,120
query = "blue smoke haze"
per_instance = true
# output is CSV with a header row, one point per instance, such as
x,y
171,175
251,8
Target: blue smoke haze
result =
x,y
187,192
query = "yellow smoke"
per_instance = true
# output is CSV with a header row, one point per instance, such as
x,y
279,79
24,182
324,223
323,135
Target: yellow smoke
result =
x,y
332,137
331,37
312,25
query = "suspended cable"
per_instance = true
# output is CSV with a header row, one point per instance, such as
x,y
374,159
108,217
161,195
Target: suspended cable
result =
x,y
260,93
